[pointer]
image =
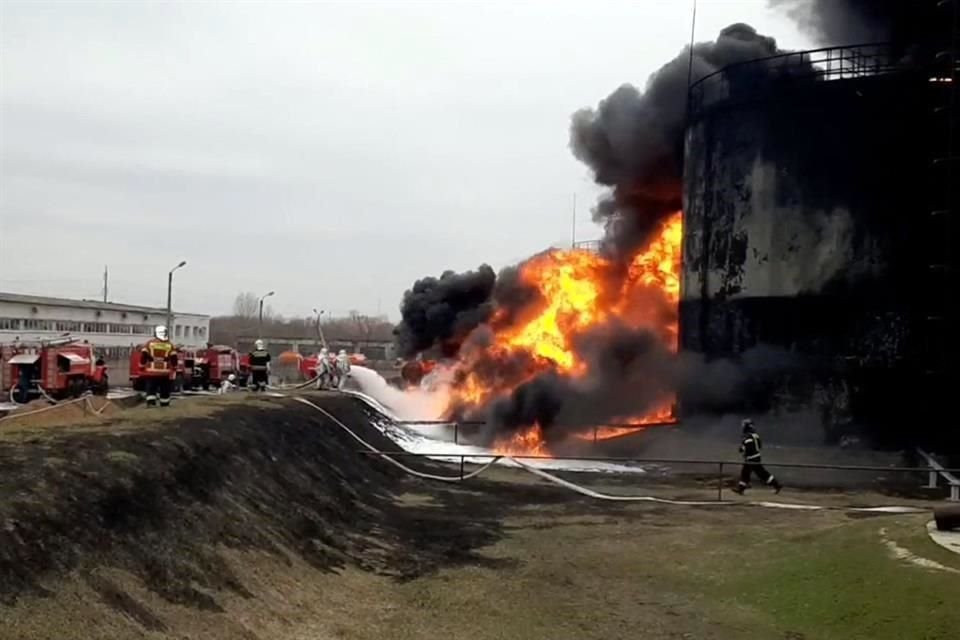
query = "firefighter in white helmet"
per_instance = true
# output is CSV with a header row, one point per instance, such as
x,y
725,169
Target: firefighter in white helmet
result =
x,y
322,369
158,366
228,385
259,366
343,366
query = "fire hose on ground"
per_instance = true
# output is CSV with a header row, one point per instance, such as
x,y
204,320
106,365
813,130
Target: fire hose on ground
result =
x,y
585,491
59,405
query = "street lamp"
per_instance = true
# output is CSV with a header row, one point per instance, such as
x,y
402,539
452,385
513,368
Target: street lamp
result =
x,y
183,263
260,323
320,338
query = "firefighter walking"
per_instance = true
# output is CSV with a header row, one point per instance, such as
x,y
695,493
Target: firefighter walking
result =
x,y
752,460
259,366
158,361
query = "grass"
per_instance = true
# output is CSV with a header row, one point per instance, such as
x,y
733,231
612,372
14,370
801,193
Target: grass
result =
x,y
567,567
121,417
581,570
743,574
844,583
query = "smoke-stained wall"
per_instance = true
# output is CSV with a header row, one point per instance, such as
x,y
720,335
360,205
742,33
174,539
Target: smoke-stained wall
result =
x,y
805,227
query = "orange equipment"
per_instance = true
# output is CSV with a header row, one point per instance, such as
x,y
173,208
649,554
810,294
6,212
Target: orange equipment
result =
x,y
57,368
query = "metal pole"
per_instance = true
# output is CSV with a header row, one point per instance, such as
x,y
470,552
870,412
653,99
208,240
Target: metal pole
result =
x,y
720,484
461,467
595,435
170,334
573,234
693,33
456,433
170,303
260,321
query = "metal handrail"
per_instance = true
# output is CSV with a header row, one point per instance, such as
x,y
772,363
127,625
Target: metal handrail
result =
x,y
691,461
462,457
828,63
456,424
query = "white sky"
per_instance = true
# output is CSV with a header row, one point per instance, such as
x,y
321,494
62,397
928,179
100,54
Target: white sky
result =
x,y
334,152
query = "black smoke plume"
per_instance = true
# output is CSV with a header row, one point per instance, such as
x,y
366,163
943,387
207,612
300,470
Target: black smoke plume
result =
x,y
441,312
633,140
850,22
630,373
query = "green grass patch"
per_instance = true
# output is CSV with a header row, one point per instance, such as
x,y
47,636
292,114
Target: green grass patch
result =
x,y
844,583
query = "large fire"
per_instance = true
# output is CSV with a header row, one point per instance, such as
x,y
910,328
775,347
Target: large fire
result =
x,y
577,290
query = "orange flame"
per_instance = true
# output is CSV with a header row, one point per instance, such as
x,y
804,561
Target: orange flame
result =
x,y
578,290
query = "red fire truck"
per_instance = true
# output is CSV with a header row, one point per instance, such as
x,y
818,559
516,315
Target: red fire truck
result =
x,y
59,368
215,363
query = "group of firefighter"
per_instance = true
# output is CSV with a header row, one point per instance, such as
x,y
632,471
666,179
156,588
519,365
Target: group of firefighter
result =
x,y
158,361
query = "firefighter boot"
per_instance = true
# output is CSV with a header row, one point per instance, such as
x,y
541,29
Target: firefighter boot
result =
x,y
777,487
740,488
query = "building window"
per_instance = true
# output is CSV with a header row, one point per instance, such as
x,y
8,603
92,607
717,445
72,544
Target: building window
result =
x,y
177,331
9,324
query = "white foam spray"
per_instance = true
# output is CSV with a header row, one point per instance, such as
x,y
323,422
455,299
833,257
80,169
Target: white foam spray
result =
x,y
436,440
411,404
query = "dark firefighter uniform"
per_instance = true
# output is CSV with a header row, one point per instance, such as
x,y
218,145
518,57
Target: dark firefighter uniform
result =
x,y
259,368
752,460
158,360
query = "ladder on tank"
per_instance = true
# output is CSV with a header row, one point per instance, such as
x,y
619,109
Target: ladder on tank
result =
x,y
943,79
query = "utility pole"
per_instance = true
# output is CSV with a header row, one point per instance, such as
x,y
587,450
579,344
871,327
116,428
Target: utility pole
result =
x,y
105,283
320,339
170,298
260,321
573,234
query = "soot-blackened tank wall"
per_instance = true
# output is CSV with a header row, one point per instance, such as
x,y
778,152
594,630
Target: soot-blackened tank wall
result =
x,y
804,229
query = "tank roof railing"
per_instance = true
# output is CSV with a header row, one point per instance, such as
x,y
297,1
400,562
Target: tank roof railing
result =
x,y
829,63
587,245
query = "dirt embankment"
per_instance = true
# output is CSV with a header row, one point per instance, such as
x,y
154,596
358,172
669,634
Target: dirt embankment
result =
x,y
170,503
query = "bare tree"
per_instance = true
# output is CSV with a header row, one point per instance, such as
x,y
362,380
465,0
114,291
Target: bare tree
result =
x,y
246,305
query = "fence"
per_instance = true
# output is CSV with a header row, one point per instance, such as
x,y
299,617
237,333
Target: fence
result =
x,y
752,78
598,432
718,465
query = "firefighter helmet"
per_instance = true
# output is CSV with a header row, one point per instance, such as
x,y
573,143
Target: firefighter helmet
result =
x,y
747,425
342,353
231,377
323,351
258,345
160,332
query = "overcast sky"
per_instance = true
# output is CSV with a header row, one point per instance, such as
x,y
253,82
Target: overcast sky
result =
x,y
334,152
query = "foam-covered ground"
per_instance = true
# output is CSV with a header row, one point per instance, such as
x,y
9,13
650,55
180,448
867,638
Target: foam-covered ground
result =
x,y
409,419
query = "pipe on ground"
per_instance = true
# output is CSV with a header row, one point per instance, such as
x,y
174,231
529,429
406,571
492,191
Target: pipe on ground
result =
x,y
947,517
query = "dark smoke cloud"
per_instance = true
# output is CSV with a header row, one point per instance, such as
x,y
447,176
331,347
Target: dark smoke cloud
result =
x,y
441,312
630,373
847,22
633,140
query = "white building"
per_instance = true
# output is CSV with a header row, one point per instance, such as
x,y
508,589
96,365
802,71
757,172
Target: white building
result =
x,y
114,328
